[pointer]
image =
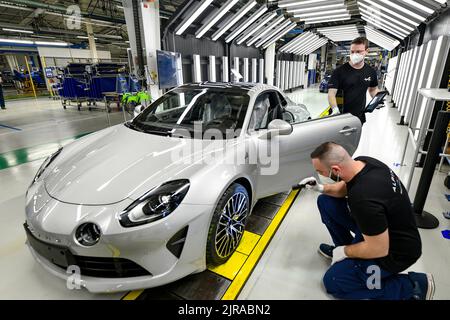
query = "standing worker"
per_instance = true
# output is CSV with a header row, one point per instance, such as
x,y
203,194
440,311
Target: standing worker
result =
x,y
2,98
371,202
353,78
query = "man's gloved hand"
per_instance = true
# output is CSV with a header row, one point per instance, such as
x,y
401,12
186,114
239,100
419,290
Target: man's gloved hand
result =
x,y
338,254
335,110
311,184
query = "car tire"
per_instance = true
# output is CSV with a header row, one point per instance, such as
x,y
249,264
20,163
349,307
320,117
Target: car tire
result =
x,y
227,224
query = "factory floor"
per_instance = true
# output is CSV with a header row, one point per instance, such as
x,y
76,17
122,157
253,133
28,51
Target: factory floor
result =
x,y
290,268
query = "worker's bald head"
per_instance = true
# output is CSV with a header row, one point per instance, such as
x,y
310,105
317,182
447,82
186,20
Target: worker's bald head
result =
x,y
330,153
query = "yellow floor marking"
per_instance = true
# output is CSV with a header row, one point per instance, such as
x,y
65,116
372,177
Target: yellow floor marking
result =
x,y
248,242
235,287
230,268
133,295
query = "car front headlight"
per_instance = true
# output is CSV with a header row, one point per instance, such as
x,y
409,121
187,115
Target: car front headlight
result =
x,y
45,164
155,204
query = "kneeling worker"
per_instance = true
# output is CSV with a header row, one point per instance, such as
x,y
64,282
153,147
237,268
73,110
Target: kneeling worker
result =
x,y
372,203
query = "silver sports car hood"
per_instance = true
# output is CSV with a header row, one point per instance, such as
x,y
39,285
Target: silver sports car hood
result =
x,y
115,164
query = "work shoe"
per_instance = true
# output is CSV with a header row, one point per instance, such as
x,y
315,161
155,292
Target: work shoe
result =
x,y
326,250
423,285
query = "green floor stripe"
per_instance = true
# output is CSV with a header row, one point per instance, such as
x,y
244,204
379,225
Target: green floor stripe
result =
x,y
20,156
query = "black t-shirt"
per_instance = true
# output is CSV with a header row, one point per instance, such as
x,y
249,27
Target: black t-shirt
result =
x,y
353,83
378,201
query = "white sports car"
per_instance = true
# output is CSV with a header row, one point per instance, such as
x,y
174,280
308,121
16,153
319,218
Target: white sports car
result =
x,y
131,206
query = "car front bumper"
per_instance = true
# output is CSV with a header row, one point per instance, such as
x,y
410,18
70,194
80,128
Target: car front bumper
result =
x,y
148,246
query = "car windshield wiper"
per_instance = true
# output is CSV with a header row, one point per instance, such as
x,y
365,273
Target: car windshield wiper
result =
x,y
133,126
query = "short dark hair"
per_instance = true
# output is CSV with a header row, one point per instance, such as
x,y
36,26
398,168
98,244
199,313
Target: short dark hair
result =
x,y
361,40
322,150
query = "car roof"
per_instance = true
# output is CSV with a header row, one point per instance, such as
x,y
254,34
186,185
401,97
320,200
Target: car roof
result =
x,y
245,86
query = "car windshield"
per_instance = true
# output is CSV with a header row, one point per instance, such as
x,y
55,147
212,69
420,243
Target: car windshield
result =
x,y
195,110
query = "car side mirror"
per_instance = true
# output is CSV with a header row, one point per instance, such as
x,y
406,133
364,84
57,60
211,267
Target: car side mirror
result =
x,y
277,127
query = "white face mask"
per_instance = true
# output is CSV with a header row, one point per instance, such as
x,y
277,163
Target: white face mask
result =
x,y
330,179
356,58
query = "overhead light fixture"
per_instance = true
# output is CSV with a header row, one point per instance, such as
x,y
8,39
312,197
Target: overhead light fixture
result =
x,y
338,5
327,17
215,17
279,34
392,26
419,6
246,24
304,42
327,20
384,26
296,41
85,37
286,4
307,44
404,10
258,26
48,43
383,17
16,41
272,33
187,22
386,11
320,13
264,32
17,30
237,16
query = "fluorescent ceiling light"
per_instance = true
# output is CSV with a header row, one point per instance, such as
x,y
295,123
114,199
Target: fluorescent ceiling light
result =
x,y
258,26
316,8
16,41
186,23
379,33
403,9
246,24
47,43
382,17
311,47
419,6
238,15
384,26
286,4
17,30
296,41
328,17
268,28
327,20
307,44
320,13
380,26
217,15
272,33
85,37
280,34
304,43
339,28
381,22
386,11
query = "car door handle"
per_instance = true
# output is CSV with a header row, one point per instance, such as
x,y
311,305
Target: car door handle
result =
x,y
348,131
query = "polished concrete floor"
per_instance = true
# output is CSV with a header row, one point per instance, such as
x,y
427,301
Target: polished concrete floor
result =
x,y
290,268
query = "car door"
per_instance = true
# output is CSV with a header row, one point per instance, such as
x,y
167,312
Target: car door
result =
x,y
294,162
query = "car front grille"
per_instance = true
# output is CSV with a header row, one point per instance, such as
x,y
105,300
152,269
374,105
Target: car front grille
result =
x,y
100,267
109,267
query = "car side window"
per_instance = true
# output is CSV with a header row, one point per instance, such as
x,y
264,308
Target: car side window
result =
x,y
266,108
293,112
